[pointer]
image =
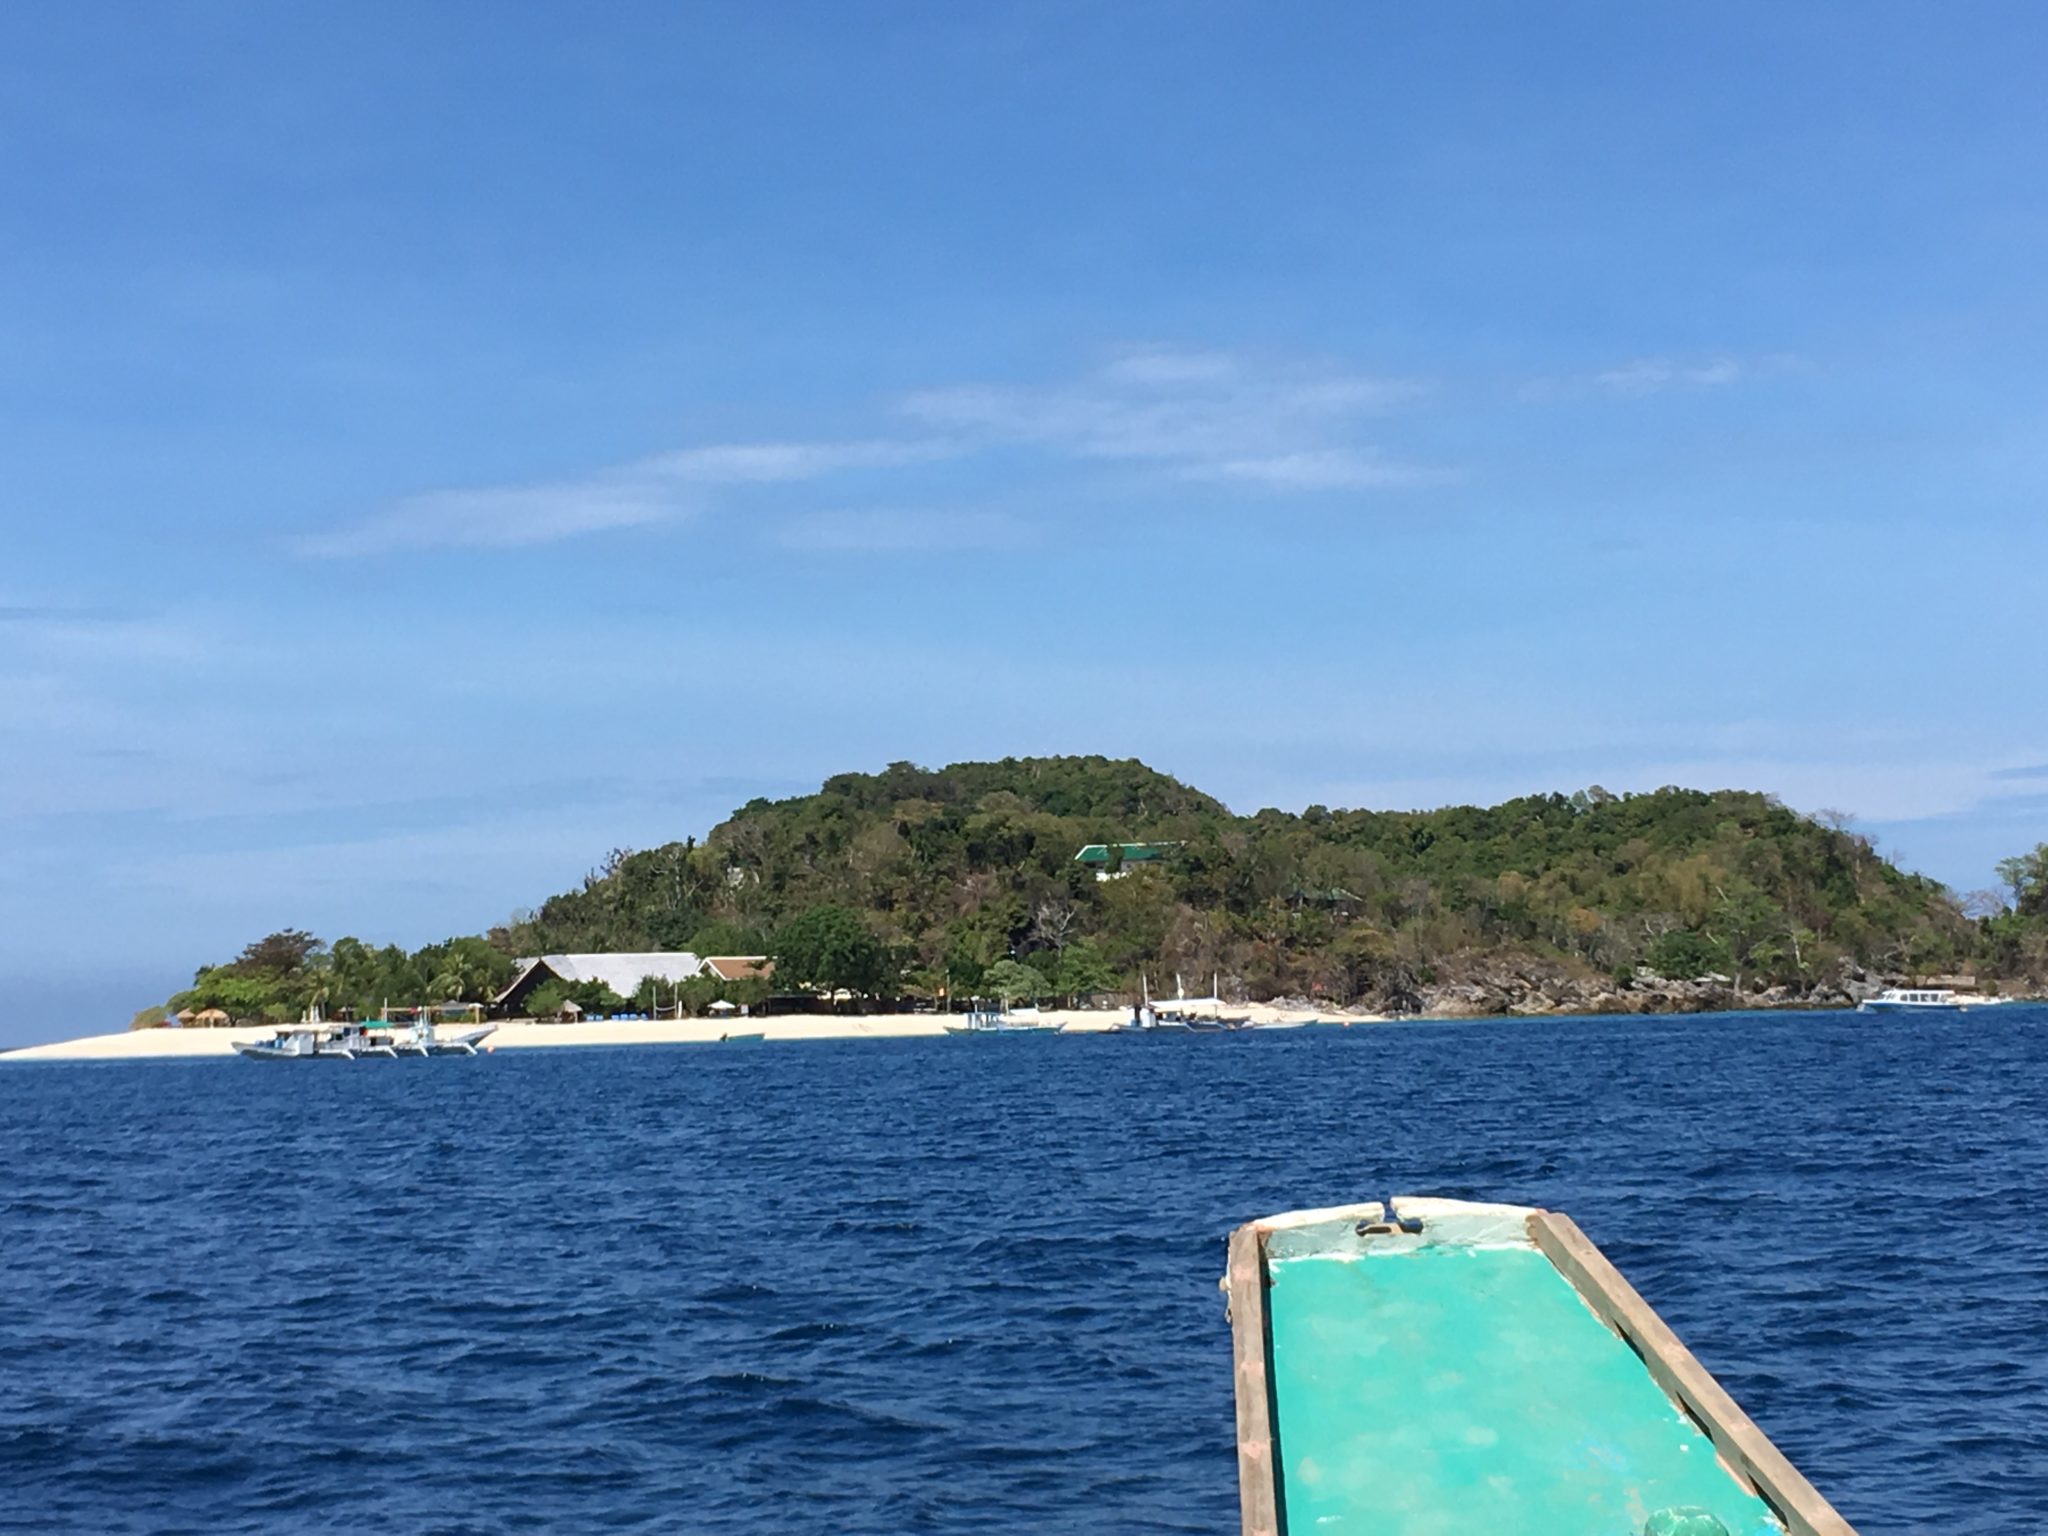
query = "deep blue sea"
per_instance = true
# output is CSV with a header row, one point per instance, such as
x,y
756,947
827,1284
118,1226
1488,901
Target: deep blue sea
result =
x,y
964,1285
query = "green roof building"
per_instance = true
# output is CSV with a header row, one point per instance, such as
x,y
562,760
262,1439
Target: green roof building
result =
x,y
1101,855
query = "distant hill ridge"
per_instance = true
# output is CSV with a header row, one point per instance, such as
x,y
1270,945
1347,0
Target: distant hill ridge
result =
x,y
963,881
1123,789
1545,900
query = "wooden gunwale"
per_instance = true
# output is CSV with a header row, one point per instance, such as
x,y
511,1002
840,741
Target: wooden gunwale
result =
x,y
1744,1448
1258,1484
1245,1279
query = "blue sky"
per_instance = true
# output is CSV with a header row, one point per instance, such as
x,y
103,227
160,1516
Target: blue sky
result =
x,y
439,444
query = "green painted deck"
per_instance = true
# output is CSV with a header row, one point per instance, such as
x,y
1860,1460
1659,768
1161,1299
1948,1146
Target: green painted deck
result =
x,y
1424,1390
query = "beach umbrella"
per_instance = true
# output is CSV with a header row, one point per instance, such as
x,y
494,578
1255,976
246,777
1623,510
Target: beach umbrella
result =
x,y
722,1006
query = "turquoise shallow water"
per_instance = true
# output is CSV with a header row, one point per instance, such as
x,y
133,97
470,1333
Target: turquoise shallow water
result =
x,y
1450,1390
881,1288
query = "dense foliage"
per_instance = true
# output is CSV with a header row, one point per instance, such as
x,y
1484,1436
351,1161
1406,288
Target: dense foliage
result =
x,y
963,881
2014,935
829,949
279,977
958,870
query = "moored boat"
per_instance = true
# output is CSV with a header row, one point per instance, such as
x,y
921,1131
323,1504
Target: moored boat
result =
x,y
1181,1015
1456,1367
1203,1015
999,1021
369,1041
1923,1000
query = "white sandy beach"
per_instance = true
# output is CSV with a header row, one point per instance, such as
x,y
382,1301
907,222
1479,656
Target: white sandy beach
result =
x,y
528,1034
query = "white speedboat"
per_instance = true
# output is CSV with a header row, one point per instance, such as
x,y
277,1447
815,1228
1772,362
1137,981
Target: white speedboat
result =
x,y
1923,1000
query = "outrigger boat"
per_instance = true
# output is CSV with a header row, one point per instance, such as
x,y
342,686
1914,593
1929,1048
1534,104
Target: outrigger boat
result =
x,y
1184,1015
1205,1014
1000,1021
1458,1368
319,1040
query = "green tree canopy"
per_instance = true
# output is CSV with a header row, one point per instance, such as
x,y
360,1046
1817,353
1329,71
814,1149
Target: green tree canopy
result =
x,y
1686,955
828,948
728,938
287,952
593,999
1012,981
1082,971
2026,876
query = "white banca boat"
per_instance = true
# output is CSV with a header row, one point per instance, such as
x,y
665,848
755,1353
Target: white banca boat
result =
x,y
1004,1021
1184,1014
371,1040
1923,1000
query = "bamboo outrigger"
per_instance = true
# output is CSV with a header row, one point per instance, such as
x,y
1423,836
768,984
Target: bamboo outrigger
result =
x,y
317,1039
1457,1367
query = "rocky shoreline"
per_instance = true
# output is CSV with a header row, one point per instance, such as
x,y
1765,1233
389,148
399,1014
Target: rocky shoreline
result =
x,y
1518,989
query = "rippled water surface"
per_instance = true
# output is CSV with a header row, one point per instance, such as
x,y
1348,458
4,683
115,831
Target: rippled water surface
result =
x,y
963,1285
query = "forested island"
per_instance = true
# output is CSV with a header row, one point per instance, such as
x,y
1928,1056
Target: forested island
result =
x,y
967,881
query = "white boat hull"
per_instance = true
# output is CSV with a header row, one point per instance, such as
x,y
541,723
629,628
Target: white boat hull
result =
x,y
305,1045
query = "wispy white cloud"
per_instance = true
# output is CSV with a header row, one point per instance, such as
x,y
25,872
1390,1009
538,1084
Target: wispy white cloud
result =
x,y
1325,469
1645,376
1170,365
1648,375
658,489
1285,426
1187,408
37,613
888,531
62,635
745,463
504,517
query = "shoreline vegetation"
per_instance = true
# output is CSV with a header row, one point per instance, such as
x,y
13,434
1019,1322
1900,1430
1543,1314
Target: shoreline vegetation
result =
x,y
1086,880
